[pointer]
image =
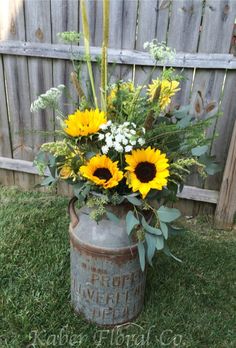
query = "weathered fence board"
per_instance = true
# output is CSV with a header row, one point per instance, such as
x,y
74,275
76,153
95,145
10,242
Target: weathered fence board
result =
x,y
119,56
62,70
163,9
226,208
115,36
146,31
129,19
6,177
216,34
17,90
225,124
38,29
183,37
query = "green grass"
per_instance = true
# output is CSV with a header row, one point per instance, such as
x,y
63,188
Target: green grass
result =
x,y
187,305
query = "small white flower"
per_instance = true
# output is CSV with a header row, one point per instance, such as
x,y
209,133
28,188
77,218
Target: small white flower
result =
x,y
119,137
133,142
118,147
128,148
133,124
141,141
103,126
109,142
128,135
109,123
101,136
133,131
105,149
125,141
144,130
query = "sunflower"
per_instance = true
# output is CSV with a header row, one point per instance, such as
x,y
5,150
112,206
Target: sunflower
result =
x,y
147,169
83,123
102,171
168,90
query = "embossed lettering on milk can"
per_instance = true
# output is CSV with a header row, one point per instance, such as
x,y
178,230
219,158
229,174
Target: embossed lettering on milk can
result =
x,y
107,283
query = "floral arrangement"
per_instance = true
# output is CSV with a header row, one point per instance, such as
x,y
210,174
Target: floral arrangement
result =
x,y
127,145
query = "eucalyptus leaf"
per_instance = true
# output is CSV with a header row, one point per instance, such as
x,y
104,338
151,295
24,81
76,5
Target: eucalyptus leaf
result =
x,y
85,191
141,252
113,217
159,242
164,229
131,222
182,112
175,231
134,200
166,250
213,168
90,155
151,246
184,122
166,214
41,157
51,160
78,188
150,229
48,181
199,150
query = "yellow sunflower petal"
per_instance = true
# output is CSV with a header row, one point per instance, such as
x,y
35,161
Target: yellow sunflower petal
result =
x,y
83,123
167,90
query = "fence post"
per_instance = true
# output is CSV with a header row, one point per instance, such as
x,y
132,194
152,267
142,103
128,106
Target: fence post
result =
x,y
226,207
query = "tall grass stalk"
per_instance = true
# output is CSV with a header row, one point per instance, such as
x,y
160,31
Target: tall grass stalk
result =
x,y
87,48
106,8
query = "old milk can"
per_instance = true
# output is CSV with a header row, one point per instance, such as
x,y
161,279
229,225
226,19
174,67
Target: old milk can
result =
x,y
107,283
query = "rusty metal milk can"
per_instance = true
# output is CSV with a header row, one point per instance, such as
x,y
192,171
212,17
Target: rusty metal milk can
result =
x,y
107,283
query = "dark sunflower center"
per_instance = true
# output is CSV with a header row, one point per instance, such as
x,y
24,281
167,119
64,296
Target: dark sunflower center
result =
x,y
103,173
145,171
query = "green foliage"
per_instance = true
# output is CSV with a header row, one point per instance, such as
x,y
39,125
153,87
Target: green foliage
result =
x,y
131,222
113,217
166,214
141,252
150,229
71,37
199,150
134,200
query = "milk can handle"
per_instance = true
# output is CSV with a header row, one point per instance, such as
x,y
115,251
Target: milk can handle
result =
x,y
71,210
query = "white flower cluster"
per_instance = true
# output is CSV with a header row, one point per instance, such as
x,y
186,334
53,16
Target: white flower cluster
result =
x,y
122,138
159,51
48,99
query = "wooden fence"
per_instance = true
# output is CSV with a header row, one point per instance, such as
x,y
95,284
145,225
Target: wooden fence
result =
x,y
32,60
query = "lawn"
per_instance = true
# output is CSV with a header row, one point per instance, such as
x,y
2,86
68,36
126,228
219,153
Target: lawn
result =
x,y
189,304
